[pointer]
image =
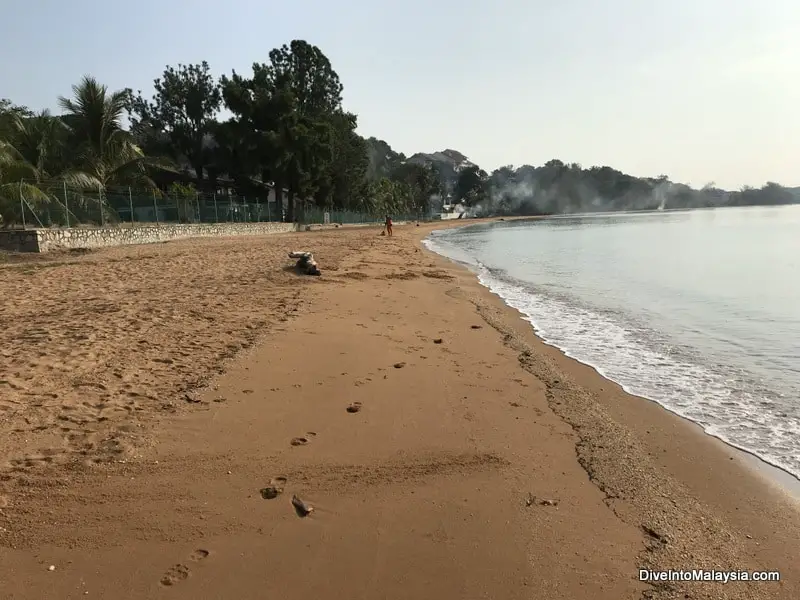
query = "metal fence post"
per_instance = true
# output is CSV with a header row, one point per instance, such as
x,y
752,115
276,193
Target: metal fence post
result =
x,y
258,210
155,205
66,203
100,206
216,212
197,203
244,207
22,205
130,203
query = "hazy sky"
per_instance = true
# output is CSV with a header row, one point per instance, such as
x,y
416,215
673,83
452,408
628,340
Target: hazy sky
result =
x,y
700,90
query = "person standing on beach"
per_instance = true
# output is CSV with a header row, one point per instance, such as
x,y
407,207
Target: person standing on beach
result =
x,y
388,225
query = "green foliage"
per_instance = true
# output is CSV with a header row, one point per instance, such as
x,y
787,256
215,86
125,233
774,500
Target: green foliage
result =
x,y
182,190
471,186
307,73
382,160
9,113
182,113
184,196
86,148
289,117
344,181
419,183
99,146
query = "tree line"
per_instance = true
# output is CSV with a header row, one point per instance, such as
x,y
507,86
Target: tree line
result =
x,y
286,128
559,188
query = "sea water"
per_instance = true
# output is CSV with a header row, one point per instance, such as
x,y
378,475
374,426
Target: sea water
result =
x,y
696,310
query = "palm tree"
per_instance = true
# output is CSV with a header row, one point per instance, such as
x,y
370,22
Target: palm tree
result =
x,y
84,149
31,162
14,189
103,149
39,141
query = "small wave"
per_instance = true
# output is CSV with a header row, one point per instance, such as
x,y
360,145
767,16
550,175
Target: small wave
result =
x,y
727,402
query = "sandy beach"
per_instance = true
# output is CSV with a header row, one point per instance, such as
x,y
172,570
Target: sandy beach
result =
x,y
161,405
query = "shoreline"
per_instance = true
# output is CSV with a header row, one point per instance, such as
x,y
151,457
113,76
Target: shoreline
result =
x,y
766,482
775,474
480,462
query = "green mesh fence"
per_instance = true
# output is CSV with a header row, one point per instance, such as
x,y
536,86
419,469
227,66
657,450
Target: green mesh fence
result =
x,y
316,215
53,204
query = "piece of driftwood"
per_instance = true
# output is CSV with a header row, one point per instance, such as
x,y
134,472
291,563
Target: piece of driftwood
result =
x,y
305,263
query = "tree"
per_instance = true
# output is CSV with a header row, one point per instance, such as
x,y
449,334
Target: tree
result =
x,y
32,160
310,77
471,185
306,74
256,142
184,108
382,159
101,148
344,183
387,197
185,195
18,181
421,183
9,112
288,108
233,152
39,142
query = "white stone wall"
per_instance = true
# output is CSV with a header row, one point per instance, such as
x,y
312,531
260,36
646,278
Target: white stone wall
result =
x,y
47,240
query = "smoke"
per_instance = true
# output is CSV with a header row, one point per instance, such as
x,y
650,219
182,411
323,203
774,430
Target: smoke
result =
x,y
506,200
435,202
527,196
556,188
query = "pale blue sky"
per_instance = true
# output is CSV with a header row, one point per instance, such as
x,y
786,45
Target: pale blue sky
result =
x,y
700,90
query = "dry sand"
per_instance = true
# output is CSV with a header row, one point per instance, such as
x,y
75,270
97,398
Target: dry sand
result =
x,y
479,463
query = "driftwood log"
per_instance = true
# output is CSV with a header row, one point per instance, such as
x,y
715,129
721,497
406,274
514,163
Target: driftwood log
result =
x,y
305,263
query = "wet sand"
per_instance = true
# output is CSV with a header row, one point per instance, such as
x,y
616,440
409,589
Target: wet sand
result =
x,y
149,394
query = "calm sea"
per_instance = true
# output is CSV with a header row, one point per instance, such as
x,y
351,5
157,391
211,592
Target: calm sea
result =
x,y
696,310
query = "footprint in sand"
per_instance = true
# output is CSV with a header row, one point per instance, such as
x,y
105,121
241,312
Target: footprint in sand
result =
x,y
274,489
302,441
175,574
180,572
354,407
199,555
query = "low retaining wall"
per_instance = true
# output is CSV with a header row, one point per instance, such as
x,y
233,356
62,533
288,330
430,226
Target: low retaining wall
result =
x,y
46,240
19,241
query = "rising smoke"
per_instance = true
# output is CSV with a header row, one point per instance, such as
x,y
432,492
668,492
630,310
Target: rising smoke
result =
x,y
527,196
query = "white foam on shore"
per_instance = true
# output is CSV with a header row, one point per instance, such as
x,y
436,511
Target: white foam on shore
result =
x,y
727,403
